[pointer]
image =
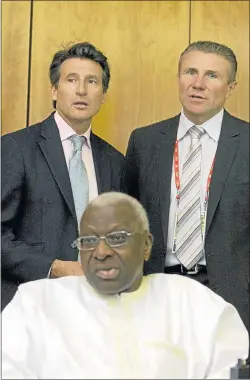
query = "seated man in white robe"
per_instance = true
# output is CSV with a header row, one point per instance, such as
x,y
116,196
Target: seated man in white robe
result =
x,y
113,323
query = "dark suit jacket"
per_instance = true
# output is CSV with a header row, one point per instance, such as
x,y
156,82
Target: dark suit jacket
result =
x,y
147,177
38,215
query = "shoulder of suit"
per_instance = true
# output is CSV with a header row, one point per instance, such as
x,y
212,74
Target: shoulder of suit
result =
x,y
110,148
157,125
241,123
29,131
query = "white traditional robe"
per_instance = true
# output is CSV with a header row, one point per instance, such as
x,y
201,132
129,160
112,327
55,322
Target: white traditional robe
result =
x,y
172,327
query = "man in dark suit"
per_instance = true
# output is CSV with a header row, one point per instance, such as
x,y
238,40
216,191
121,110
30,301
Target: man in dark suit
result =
x,y
200,232
47,179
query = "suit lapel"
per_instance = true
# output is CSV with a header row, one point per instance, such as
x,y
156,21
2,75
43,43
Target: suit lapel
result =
x,y
165,150
227,147
52,149
102,164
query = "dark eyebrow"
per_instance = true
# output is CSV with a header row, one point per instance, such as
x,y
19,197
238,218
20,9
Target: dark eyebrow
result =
x,y
211,72
196,70
93,76
191,68
87,76
70,74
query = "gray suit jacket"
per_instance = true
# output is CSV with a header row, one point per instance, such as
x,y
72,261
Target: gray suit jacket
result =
x,y
38,215
147,177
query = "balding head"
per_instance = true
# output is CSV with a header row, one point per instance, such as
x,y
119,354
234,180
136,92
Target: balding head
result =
x,y
115,198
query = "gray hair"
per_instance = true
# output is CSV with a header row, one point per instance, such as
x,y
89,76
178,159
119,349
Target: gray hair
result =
x,y
112,198
215,48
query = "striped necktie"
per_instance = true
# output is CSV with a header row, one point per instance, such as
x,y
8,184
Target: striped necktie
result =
x,y
189,245
78,177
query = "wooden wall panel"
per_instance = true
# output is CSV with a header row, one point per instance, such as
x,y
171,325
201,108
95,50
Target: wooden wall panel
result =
x,y
15,53
142,40
227,22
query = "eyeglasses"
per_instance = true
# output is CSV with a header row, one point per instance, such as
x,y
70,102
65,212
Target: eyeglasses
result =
x,y
113,240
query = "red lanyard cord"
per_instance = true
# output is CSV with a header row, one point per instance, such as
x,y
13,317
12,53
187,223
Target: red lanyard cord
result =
x,y
177,173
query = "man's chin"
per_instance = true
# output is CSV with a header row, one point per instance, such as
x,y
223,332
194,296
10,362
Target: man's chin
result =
x,y
109,288
81,118
114,286
83,115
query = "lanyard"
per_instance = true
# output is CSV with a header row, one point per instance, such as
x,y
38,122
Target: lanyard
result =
x,y
177,184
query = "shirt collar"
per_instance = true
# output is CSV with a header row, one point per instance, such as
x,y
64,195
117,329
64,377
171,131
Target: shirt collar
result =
x,y
66,131
211,126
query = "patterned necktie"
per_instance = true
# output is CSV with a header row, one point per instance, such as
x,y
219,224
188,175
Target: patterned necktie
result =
x,y
78,177
189,245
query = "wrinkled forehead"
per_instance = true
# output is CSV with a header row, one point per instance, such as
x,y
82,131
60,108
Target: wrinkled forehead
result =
x,y
80,66
204,61
107,217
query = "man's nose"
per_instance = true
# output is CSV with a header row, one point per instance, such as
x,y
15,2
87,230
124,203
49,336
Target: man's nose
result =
x,y
102,250
199,82
81,88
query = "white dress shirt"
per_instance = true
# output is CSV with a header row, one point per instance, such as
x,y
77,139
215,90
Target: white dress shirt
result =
x,y
172,327
209,142
65,132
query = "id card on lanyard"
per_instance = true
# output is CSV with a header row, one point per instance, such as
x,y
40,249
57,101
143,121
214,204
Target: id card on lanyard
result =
x,y
177,185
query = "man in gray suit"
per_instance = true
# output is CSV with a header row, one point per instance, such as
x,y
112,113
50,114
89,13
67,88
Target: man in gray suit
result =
x,y
52,170
191,173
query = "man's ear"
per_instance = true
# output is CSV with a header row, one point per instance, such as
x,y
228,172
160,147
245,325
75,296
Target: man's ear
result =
x,y
104,98
148,246
54,92
231,87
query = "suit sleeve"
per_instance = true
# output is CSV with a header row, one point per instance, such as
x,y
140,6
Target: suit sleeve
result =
x,y
130,178
21,262
117,170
